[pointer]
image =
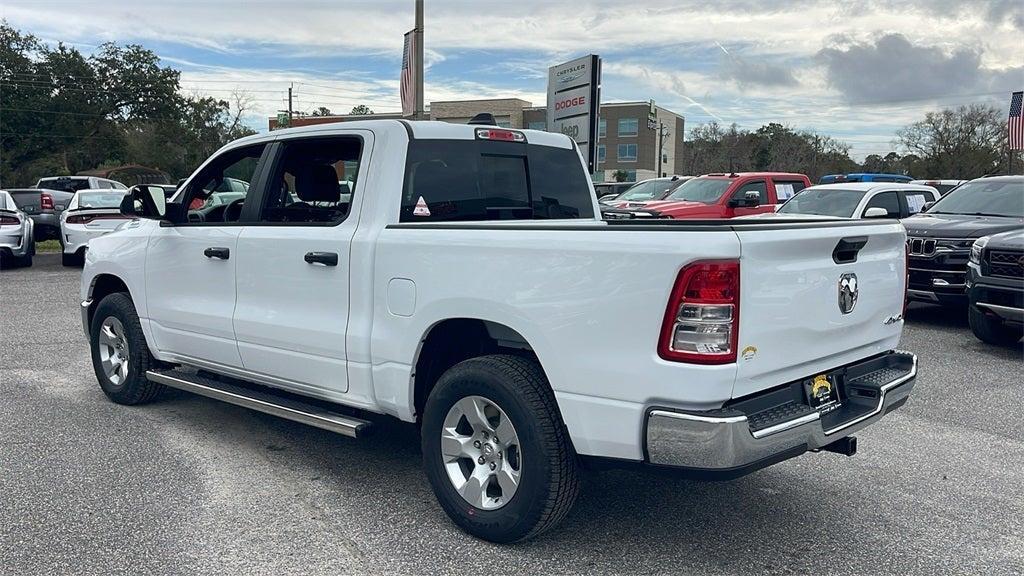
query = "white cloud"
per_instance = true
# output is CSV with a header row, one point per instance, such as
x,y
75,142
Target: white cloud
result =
x,y
651,49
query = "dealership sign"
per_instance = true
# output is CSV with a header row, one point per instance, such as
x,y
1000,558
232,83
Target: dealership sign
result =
x,y
574,92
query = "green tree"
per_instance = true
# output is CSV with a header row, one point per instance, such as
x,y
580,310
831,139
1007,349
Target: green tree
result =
x,y
966,142
321,111
62,112
361,110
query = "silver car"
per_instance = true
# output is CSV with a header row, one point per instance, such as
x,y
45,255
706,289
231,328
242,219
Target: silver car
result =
x,y
17,244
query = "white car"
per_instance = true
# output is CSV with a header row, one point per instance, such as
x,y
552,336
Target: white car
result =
x,y
943,186
857,200
90,214
17,241
469,286
76,183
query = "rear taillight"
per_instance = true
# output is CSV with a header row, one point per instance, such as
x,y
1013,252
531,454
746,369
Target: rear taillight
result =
x,y
702,319
86,218
9,221
45,201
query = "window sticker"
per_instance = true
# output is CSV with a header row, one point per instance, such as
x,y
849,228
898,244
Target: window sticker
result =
x,y
915,203
784,191
421,208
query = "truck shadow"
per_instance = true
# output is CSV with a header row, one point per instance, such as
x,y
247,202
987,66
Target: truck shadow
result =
x,y
937,316
620,516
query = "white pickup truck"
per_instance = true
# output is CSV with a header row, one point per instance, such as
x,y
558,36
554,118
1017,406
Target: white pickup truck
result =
x,y
463,280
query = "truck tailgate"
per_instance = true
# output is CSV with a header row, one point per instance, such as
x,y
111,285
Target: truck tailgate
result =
x,y
791,322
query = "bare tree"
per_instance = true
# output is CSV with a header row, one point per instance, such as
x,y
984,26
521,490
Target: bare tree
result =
x,y
242,101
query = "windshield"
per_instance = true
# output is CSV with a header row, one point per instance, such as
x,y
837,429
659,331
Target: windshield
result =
x,y
984,198
3,202
99,199
64,184
648,190
704,190
823,202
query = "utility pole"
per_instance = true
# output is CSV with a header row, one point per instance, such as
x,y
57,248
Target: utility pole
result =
x,y
662,133
419,61
290,86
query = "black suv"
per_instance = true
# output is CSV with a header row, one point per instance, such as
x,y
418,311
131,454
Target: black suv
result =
x,y
939,241
995,286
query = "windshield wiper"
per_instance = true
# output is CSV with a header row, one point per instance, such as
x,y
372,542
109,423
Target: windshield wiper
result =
x,y
984,214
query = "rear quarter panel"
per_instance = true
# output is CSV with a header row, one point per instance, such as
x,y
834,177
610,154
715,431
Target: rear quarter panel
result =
x,y
590,302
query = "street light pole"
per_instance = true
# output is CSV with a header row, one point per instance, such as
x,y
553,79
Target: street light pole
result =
x,y
419,60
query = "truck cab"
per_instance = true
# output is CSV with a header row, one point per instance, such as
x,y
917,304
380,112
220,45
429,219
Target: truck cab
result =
x,y
729,195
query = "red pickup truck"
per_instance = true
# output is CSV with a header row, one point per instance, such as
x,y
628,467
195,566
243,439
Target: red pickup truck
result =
x,y
729,195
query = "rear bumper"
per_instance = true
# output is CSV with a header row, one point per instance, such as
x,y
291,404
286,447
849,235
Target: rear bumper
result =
x,y
737,440
18,242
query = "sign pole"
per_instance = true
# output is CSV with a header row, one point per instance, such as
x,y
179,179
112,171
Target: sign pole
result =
x,y
419,61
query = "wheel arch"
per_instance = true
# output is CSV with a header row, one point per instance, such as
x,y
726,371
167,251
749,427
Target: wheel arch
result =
x,y
450,341
101,286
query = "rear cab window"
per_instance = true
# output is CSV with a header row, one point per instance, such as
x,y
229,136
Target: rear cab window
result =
x,y
64,184
473,180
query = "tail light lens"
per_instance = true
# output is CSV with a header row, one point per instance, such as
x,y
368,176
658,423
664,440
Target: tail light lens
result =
x,y
701,323
45,201
9,221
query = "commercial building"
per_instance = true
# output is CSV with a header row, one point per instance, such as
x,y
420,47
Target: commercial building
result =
x,y
630,134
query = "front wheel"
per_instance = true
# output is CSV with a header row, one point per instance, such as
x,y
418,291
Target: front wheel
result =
x,y
120,356
496,451
75,259
991,329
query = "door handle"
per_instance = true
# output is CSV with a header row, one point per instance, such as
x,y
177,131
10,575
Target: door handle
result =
x,y
325,258
215,252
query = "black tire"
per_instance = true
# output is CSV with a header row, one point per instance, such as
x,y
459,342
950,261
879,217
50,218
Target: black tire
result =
x,y
991,329
24,261
76,259
549,479
135,389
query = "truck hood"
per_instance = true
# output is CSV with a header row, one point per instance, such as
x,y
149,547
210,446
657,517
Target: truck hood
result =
x,y
959,225
1012,240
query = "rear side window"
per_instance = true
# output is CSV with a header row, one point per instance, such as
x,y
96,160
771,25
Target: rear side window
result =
x,y
786,189
463,180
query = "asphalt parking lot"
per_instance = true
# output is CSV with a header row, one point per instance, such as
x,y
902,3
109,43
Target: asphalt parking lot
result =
x,y
188,485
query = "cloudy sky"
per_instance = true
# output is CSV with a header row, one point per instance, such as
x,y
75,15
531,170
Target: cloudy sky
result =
x,y
856,70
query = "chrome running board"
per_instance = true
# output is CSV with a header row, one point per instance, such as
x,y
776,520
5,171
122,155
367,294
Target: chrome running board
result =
x,y
282,407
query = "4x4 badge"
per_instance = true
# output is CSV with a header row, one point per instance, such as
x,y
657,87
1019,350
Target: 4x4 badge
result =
x,y
848,292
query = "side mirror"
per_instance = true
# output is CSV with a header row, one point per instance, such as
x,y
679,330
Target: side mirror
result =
x,y
927,206
751,199
876,212
144,201
607,197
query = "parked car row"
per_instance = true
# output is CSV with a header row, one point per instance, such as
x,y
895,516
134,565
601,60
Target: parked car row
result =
x,y
942,229
17,242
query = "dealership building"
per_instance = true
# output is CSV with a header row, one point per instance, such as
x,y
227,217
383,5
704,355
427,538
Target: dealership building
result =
x,y
628,132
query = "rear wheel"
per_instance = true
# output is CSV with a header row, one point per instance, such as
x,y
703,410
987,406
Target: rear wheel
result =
x,y
991,329
120,356
496,451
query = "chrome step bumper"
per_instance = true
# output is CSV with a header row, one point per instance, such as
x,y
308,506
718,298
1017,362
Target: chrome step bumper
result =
x,y
725,440
288,408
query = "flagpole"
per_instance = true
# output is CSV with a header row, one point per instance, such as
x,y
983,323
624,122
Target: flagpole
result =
x,y
419,61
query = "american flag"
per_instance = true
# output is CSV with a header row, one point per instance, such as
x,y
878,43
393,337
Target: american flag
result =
x,y
408,83
1016,122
